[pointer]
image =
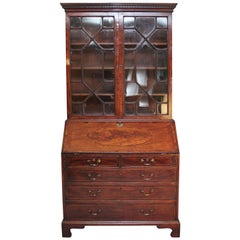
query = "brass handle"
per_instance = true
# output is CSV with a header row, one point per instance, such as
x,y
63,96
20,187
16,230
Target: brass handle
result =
x,y
94,213
93,176
94,162
119,124
147,194
147,178
146,213
94,193
147,161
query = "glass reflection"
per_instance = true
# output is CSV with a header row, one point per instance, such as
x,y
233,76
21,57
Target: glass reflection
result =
x,y
162,22
92,25
129,22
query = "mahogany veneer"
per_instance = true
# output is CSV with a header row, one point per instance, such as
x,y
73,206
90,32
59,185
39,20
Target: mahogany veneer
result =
x,y
120,155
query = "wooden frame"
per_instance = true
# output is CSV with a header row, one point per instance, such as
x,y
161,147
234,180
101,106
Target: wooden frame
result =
x,y
118,168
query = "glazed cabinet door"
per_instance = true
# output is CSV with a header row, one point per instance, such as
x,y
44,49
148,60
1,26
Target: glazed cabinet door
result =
x,y
91,70
146,64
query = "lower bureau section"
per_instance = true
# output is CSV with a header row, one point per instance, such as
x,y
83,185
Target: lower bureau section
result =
x,y
121,210
111,182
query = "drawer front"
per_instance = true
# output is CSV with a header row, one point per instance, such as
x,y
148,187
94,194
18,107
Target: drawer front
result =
x,y
149,160
102,160
165,174
120,211
120,192
93,161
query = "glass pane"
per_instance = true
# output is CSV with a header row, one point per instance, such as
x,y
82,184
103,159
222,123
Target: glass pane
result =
x,y
108,75
78,39
76,75
159,36
145,25
142,77
105,38
76,58
92,78
146,105
129,22
78,87
162,75
77,108
130,108
109,108
108,22
92,25
162,58
93,106
109,59
145,56
129,59
132,89
105,88
77,98
132,38
93,56
75,22
160,88
163,108
162,22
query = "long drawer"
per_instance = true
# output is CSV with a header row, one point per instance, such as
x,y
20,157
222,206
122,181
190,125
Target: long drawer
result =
x,y
120,211
119,191
115,160
164,174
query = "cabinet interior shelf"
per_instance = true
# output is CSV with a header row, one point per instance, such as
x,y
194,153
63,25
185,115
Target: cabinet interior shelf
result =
x,y
111,44
93,68
153,43
126,68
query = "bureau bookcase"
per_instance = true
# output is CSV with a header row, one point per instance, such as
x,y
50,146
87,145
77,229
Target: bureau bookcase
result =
x,y
120,155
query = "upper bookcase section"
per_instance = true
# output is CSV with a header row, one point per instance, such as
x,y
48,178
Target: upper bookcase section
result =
x,y
119,7
119,61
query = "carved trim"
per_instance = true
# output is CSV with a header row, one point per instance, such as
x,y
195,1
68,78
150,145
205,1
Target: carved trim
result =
x,y
119,6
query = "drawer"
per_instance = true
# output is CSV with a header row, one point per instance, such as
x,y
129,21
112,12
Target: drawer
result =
x,y
121,211
164,174
129,191
76,161
150,160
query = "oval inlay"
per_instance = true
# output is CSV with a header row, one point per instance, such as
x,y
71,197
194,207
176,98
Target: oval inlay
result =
x,y
120,136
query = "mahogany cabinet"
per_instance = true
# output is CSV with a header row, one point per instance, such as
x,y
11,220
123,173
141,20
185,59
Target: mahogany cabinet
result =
x,y
120,155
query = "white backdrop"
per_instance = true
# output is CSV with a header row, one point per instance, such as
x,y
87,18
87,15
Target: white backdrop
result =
x,y
205,106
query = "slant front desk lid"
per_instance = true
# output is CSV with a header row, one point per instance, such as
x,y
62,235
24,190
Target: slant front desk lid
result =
x,y
127,137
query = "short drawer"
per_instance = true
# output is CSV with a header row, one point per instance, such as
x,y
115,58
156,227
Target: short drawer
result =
x,y
129,191
76,161
150,160
121,211
164,174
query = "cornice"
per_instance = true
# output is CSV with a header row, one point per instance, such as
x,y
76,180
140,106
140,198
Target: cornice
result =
x,y
69,7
